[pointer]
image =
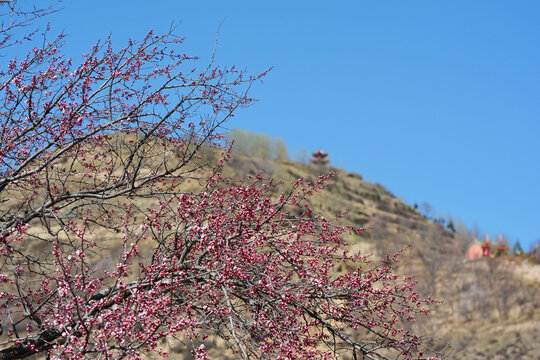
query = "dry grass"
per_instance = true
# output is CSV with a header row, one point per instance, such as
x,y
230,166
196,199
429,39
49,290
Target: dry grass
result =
x,y
473,312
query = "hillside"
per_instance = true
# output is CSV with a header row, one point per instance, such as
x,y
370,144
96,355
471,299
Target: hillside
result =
x,y
491,306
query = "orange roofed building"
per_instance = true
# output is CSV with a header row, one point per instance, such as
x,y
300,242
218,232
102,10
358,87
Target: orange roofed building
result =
x,y
487,249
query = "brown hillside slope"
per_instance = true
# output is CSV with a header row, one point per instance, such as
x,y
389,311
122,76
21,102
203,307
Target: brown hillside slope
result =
x,y
491,306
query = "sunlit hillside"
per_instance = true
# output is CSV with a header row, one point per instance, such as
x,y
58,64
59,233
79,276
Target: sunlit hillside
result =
x,y
490,306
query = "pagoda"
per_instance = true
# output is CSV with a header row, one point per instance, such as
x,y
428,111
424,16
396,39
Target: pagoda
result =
x,y
490,249
320,157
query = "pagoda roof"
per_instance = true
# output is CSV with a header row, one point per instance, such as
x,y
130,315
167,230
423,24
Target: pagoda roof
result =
x,y
320,153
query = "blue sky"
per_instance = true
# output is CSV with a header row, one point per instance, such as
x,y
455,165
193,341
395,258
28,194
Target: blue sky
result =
x,y
437,100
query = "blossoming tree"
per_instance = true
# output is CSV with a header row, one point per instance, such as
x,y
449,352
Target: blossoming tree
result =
x,y
103,149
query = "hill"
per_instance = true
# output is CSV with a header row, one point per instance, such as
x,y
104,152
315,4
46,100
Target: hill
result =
x,y
491,306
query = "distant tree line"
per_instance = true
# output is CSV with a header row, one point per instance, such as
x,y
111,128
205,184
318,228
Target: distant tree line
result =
x,y
258,145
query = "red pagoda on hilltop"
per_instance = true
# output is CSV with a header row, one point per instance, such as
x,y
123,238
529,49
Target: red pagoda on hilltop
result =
x,y
320,157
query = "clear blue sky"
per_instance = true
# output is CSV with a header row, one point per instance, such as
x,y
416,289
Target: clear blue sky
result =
x,y
437,100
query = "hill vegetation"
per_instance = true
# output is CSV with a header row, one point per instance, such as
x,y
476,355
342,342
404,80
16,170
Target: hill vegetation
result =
x,y
491,305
